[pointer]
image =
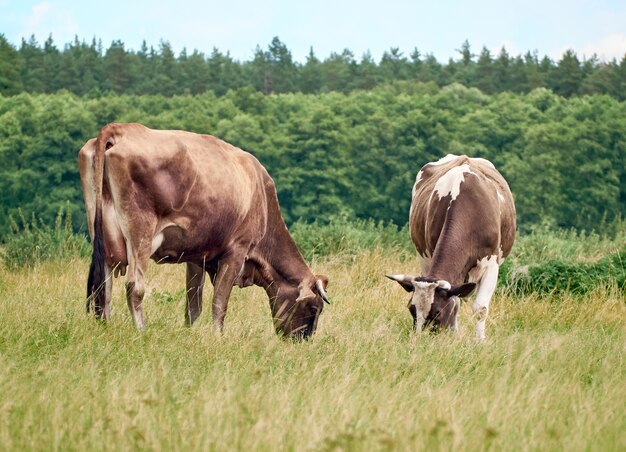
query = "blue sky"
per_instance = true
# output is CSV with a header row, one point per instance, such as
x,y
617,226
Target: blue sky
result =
x,y
238,26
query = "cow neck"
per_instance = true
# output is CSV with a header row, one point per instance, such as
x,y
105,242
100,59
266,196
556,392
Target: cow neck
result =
x,y
279,262
278,256
450,261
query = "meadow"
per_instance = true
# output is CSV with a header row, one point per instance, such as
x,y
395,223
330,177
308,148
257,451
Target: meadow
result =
x,y
551,375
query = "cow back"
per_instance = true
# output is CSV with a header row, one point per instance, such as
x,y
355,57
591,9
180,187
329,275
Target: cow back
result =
x,y
466,203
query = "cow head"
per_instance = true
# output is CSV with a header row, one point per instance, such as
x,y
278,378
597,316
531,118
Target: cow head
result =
x,y
433,302
296,308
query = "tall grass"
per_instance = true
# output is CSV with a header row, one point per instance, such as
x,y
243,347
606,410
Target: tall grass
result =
x,y
543,244
547,261
550,376
343,238
33,241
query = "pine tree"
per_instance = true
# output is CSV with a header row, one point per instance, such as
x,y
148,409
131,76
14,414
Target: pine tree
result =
x,y
51,66
502,71
283,69
311,78
393,66
366,73
69,74
416,65
339,69
32,67
568,75
533,74
168,78
196,72
117,68
10,64
484,75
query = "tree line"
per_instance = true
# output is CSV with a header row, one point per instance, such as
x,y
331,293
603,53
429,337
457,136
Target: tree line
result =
x,y
343,155
91,69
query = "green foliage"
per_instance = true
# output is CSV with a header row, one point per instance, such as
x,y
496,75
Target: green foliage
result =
x,y
557,276
349,238
566,261
34,241
543,244
90,69
10,65
339,155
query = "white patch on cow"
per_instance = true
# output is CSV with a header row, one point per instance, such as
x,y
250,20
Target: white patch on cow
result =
x,y
476,272
418,178
422,298
500,197
457,305
157,241
444,160
450,183
485,274
423,285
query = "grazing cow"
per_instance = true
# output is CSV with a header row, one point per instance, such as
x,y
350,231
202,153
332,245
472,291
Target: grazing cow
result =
x,y
462,222
177,196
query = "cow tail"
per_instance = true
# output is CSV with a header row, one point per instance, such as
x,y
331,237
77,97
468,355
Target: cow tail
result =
x,y
96,281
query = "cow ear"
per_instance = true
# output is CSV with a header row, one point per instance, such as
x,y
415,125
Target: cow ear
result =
x,y
462,291
305,294
322,278
406,281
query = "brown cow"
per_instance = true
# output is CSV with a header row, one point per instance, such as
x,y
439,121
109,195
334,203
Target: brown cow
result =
x,y
177,196
462,222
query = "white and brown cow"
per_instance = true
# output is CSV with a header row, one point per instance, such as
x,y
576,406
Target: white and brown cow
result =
x,y
462,222
181,197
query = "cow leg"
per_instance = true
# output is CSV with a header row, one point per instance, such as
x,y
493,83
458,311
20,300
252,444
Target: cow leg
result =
x,y
227,270
135,286
195,286
486,288
108,287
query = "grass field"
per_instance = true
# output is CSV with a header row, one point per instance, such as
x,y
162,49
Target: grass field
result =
x,y
551,375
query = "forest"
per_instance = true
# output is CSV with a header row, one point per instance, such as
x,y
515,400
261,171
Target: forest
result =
x,y
345,151
91,69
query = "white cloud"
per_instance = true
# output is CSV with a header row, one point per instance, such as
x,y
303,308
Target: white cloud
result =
x,y
46,19
607,47
38,17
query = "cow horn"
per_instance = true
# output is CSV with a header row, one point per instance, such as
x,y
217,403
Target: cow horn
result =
x,y
445,285
320,289
406,281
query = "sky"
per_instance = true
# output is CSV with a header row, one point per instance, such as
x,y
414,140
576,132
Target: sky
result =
x,y
438,27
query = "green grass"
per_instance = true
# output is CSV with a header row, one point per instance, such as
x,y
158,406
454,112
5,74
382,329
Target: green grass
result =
x,y
551,375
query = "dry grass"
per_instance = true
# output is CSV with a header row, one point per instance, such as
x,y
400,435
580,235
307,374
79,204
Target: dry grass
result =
x,y
550,377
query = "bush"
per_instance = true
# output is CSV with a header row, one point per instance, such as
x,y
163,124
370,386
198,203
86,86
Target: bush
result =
x,y
543,244
34,241
558,276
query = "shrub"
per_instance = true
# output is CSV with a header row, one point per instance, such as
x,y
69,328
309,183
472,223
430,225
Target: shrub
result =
x,y
558,276
34,241
543,244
